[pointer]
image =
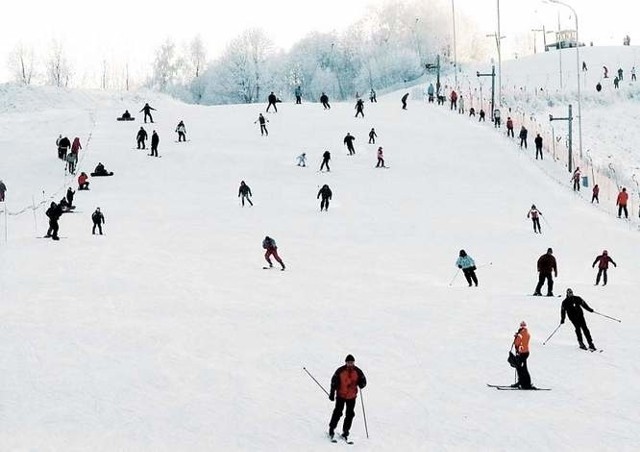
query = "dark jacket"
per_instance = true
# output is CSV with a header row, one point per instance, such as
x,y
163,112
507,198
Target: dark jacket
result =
x,y
346,381
538,141
54,212
572,307
155,139
244,190
325,192
97,217
326,156
324,99
547,264
142,134
604,260
348,140
272,98
64,143
147,108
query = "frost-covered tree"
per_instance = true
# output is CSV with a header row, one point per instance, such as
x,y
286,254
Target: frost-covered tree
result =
x,y
58,66
21,63
166,66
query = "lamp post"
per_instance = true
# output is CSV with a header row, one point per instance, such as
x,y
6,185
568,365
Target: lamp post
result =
x,y
577,72
570,143
455,54
498,39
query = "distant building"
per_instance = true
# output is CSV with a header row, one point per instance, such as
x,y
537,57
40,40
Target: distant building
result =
x,y
565,39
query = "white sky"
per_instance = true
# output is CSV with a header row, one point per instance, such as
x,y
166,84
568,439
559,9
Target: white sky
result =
x,y
120,29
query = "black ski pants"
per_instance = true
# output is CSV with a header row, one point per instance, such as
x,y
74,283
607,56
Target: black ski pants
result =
x,y
53,229
351,149
181,137
536,225
538,152
523,141
247,198
595,198
470,276
541,277
154,150
324,204
372,140
274,107
337,414
97,225
359,112
623,208
524,379
325,163
263,130
581,326
602,272
298,100
326,105
147,113
141,143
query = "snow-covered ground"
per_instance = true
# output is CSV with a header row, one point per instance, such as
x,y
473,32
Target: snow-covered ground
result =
x,y
166,333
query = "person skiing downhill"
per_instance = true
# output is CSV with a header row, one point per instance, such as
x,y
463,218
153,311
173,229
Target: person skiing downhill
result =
x,y
481,116
468,266
454,100
182,131
325,160
359,108
272,101
141,137
572,307
372,136
271,250
535,214
546,265
244,192
98,219
324,100
345,383
496,118
603,265
372,96
263,127
380,163
147,112
326,194
302,159
348,141
521,342
594,193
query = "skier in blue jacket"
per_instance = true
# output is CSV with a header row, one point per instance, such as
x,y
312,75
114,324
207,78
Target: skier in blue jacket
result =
x,y
468,266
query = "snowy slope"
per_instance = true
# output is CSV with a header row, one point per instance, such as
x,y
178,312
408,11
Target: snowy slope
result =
x,y
166,334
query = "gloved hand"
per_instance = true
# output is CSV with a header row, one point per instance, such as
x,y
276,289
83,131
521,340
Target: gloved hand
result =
x,y
332,397
561,321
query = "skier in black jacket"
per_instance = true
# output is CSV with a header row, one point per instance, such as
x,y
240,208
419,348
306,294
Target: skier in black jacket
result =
x,y
359,108
348,141
141,137
372,136
324,100
326,194
98,218
70,194
147,112
54,212
572,307
272,101
63,146
155,141
244,192
325,160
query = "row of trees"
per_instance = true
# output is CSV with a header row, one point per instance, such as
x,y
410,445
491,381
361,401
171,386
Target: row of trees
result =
x,y
391,44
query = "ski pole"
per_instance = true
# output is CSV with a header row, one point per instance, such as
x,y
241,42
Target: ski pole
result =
x,y
604,315
364,415
325,391
454,277
485,265
554,332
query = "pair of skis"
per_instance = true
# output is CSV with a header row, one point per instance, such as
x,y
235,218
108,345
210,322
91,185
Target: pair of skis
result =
x,y
334,440
515,388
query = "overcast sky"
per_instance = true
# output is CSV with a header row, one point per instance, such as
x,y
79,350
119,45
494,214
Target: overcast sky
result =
x,y
133,29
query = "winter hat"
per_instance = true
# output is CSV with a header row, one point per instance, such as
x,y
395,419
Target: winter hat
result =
x,y
549,251
604,252
463,253
523,324
349,358
569,292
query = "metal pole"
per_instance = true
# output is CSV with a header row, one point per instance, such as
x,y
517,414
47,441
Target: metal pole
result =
x,y
493,88
498,39
455,54
570,141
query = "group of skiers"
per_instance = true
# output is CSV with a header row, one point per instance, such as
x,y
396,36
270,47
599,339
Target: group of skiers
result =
x,y
68,152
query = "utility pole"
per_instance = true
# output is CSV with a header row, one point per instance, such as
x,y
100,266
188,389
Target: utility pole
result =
x,y
570,119
493,85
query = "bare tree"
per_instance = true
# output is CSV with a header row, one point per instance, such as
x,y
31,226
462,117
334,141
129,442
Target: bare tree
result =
x,y
21,63
58,67
197,56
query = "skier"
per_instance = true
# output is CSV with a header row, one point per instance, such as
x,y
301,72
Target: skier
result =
x,y
63,146
620,72
535,214
302,159
155,141
348,141
572,307
496,118
324,100
546,265
54,212
538,143
298,94
3,190
272,101
72,160
576,179
70,195
244,192
461,105
345,383
326,194
603,265
633,74
147,112
325,160
359,108
472,112
372,136
521,343
523,136
380,163
584,66
372,96
404,101
75,147
595,193
468,266
621,202
453,100
141,137
510,127
98,218
481,116
272,250
616,82
182,131
83,183
263,127
606,71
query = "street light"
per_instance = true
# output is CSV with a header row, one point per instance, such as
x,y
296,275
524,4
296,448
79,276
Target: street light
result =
x,y
455,55
577,72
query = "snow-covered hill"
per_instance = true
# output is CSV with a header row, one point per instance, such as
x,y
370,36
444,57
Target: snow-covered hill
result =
x,y
167,334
